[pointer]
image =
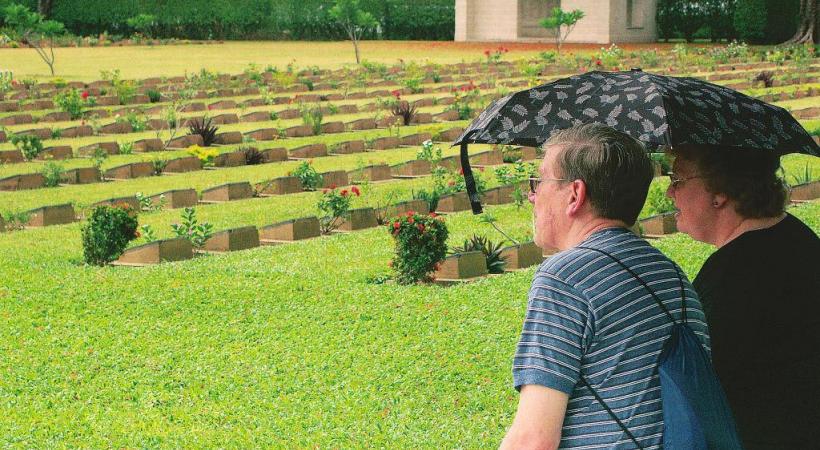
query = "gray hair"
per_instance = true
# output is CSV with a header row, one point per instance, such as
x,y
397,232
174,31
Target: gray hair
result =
x,y
615,167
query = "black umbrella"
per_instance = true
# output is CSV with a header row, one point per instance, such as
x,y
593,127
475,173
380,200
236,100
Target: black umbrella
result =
x,y
657,110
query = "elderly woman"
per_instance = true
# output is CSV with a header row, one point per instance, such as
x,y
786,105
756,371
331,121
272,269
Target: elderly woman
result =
x,y
760,289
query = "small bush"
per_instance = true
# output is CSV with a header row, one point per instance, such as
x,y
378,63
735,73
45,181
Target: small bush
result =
x,y
312,117
420,246
154,95
404,110
335,204
253,156
73,102
308,176
491,251
107,233
657,202
53,173
204,129
190,228
205,155
30,146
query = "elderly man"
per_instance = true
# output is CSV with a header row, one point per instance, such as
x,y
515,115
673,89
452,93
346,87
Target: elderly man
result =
x,y
588,351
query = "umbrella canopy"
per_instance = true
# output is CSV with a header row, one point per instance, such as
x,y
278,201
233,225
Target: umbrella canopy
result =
x,y
655,109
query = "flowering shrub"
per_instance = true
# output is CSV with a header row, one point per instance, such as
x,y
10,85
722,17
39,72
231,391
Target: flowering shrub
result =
x,y
335,204
74,102
465,97
108,232
420,246
494,56
307,175
205,155
609,57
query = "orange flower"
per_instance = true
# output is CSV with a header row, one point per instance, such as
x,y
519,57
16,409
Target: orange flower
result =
x,y
344,193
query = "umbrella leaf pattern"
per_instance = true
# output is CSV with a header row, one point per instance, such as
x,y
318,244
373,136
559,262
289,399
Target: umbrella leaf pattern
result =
x,y
662,111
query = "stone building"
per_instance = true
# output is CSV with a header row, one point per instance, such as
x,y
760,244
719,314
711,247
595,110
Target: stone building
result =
x,y
604,21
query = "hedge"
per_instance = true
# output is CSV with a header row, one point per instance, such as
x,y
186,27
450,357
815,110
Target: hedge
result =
x,y
256,19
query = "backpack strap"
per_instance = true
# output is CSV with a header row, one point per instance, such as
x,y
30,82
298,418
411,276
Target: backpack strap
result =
x,y
646,286
611,412
665,310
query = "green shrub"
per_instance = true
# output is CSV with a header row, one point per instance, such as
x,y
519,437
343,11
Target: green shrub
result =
x,y
154,95
190,228
30,146
750,20
307,175
420,246
491,251
334,205
312,117
53,173
73,102
657,202
107,233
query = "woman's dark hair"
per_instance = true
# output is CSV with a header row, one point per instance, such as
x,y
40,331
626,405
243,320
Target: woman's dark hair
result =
x,y
748,177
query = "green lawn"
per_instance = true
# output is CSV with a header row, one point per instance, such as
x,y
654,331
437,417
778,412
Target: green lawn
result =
x,y
301,345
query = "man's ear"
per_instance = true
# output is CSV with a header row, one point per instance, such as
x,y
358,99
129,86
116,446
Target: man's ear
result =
x,y
577,197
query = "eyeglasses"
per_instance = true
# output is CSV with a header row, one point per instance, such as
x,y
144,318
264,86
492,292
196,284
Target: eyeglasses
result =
x,y
535,182
675,181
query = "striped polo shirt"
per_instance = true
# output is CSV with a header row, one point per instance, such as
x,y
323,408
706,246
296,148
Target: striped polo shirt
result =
x,y
588,316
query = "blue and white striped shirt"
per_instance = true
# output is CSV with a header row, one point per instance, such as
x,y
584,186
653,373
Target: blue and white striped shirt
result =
x,y
587,315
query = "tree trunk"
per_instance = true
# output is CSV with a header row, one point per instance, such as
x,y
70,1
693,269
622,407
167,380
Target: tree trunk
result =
x,y
44,7
807,29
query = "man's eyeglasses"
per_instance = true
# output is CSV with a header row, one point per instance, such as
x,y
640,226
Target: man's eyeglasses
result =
x,y
675,181
535,182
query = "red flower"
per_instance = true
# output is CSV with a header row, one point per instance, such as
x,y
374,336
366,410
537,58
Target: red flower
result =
x,y
332,186
84,95
356,191
396,225
420,227
410,213
396,93
410,219
210,107
343,193
433,215
487,52
598,63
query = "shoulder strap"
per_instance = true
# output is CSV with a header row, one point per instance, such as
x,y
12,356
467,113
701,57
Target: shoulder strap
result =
x,y
646,286
668,314
611,412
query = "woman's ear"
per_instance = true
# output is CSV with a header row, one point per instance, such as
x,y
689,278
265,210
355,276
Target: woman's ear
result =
x,y
719,200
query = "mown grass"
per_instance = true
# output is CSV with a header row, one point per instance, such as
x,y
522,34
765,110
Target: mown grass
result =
x,y
287,346
293,346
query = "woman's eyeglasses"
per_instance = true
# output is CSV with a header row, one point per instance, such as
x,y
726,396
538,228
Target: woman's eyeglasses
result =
x,y
674,181
535,182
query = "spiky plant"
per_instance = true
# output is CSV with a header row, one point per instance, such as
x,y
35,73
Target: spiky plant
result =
x,y
491,251
204,128
253,156
405,110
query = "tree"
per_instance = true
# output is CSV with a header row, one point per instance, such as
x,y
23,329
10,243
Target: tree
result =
x,y
44,7
33,29
354,21
807,29
561,18
750,20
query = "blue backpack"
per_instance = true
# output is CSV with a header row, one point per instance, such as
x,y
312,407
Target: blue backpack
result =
x,y
696,414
